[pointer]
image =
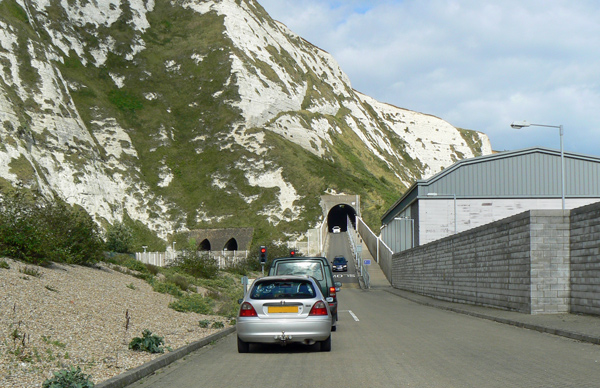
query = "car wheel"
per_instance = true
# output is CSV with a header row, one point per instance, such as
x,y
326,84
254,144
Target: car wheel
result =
x,y
243,347
326,345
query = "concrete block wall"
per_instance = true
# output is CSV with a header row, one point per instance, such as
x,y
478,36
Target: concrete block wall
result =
x,y
550,261
492,265
585,259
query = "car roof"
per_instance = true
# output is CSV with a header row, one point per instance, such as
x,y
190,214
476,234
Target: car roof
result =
x,y
302,258
286,277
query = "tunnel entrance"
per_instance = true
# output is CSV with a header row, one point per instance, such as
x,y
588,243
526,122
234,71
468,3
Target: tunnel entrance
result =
x,y
338,216
231,245
204,245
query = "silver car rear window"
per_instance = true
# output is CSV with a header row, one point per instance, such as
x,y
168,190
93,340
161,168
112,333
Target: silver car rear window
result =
x,y
313,269
277,289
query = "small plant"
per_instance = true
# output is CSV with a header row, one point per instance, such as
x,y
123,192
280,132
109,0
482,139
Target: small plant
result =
x,y
147,343
56,343
50,288
31,271
204,323
69,378
217,325
4,264
194,303
131,286
232,322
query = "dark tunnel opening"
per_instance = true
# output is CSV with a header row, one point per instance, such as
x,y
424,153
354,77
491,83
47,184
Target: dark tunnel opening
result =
x,y
338,216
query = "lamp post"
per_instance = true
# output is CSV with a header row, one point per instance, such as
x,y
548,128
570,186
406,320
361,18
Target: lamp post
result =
x,y
524,124
447,195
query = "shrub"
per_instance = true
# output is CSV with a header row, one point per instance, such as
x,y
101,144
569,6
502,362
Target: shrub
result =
x,y
129,262
218,325
166,288
194,303
147,343
196,264
69,378
153,269
180,281
119,238
40,232
4,264
204,323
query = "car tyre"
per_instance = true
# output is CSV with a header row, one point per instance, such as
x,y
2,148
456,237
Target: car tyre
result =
x,y
243,347
326,345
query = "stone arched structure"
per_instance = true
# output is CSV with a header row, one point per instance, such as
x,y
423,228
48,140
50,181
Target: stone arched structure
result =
x,y
231,245
230,239
204,245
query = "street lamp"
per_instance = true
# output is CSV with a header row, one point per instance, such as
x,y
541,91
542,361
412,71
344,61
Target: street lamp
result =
x,y
523,124
448,195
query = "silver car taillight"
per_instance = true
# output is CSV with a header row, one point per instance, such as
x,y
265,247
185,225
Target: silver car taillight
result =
x,y
319,308
246,310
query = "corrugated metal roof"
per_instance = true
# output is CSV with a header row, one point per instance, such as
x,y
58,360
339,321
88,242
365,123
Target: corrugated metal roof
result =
x,y
527,173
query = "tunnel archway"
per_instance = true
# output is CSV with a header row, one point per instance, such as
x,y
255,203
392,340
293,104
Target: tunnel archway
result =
x,y
338,216
231,245
204,245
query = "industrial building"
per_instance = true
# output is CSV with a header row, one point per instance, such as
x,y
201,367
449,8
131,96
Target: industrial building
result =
x,y
477,191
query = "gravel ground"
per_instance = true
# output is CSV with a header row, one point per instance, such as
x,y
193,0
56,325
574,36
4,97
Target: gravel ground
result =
x,y
74,315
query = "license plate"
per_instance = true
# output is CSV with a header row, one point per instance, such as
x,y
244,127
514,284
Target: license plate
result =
x,y
283,309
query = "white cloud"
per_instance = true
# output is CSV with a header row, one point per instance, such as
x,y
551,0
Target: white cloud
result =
x,y
477,64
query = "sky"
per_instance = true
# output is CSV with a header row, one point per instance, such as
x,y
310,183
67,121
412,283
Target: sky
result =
x,y
477,64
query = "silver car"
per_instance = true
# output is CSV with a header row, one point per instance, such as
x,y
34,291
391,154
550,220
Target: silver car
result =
x,y
284,309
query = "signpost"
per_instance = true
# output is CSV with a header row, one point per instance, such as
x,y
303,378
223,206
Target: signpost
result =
x,y
245,284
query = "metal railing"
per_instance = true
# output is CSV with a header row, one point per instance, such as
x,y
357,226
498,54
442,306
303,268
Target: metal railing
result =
x,y
377,247
362,270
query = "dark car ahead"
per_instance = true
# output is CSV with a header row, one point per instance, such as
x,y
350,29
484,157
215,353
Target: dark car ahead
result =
x,y
339,264
316,267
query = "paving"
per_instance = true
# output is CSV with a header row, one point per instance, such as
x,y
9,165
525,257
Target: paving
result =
x,y
584,328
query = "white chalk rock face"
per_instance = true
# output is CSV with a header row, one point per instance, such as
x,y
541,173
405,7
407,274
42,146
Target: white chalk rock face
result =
x,y
51,143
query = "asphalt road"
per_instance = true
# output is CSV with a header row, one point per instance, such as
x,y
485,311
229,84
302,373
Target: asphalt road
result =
x,y
386,341
338,246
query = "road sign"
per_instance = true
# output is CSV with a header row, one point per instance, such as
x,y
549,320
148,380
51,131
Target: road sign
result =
x,y
367,261
359,248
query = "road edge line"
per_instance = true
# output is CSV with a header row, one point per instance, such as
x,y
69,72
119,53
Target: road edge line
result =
x,y
131,376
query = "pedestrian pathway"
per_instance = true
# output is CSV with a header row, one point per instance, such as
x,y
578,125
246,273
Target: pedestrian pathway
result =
x,y
578,327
